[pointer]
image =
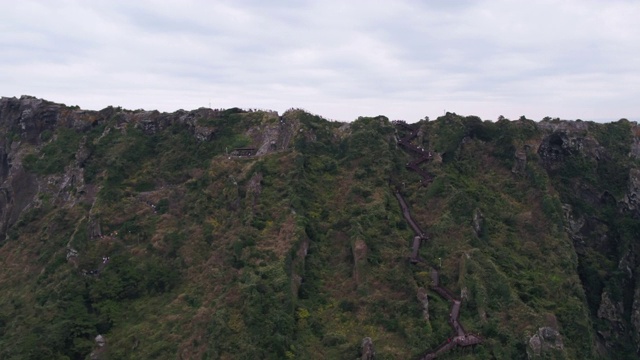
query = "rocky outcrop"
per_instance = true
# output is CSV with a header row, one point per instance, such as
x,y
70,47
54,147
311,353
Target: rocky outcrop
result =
x,y
254,188
100,341
572,127
17,192
520,163
27,123
564,140
273,134
368,352
635,141
93,227
297,265
477,222
635,317
29,117
545,340
100,348
424,301
573,225
610,310
631,200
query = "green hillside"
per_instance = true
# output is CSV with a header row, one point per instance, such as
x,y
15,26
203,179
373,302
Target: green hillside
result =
x,y
237,234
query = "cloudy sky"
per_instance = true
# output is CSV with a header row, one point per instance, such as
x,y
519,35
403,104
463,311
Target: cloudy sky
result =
x,y
340,59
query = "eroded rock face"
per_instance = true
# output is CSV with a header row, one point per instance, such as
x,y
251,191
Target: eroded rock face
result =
x,y
566,141
545,340
609,309
26,120
564,126
28,116
477,222
635,145
100,341
368,352
586,231
554,148
612,311
16,194
520,163
424,300
631,200
254,187
94,229
535,344
297,265
100,346
573,225
635,317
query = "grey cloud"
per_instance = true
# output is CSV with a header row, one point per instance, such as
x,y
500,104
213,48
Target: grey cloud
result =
x,y
340,59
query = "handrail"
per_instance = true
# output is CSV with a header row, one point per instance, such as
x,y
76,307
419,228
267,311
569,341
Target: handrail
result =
x,y
460,338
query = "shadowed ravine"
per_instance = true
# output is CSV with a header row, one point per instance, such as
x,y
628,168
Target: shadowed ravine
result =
x,y
460,336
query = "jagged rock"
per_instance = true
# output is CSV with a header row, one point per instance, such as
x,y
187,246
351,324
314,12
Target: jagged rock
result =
x,y
576,127
464,293
424,300
83,153
610,310
635,317
100,341
520,163
94,228
572,225
151,122
28,118
254,185
554,148
635,145
204,133
631,200
613,312
368,352
266,136
626,264
274,132
535,344
546,339
16,193
437,158
66,185
71,253
477,222
99,352
561,144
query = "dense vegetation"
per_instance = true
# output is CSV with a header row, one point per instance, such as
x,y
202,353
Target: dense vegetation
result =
x,y
302,252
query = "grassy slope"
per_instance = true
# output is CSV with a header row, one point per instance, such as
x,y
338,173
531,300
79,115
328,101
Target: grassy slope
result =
x,y
212,273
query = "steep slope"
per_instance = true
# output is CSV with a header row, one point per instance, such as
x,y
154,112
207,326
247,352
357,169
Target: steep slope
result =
x,y
221,234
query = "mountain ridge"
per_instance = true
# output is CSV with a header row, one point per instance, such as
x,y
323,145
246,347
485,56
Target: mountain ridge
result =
x,y
147,229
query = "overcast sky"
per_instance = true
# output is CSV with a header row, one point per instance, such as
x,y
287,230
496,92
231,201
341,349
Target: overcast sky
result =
x,y
339,59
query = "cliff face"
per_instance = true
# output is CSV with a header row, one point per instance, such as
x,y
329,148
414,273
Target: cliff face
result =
x,y
595,170
246,234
